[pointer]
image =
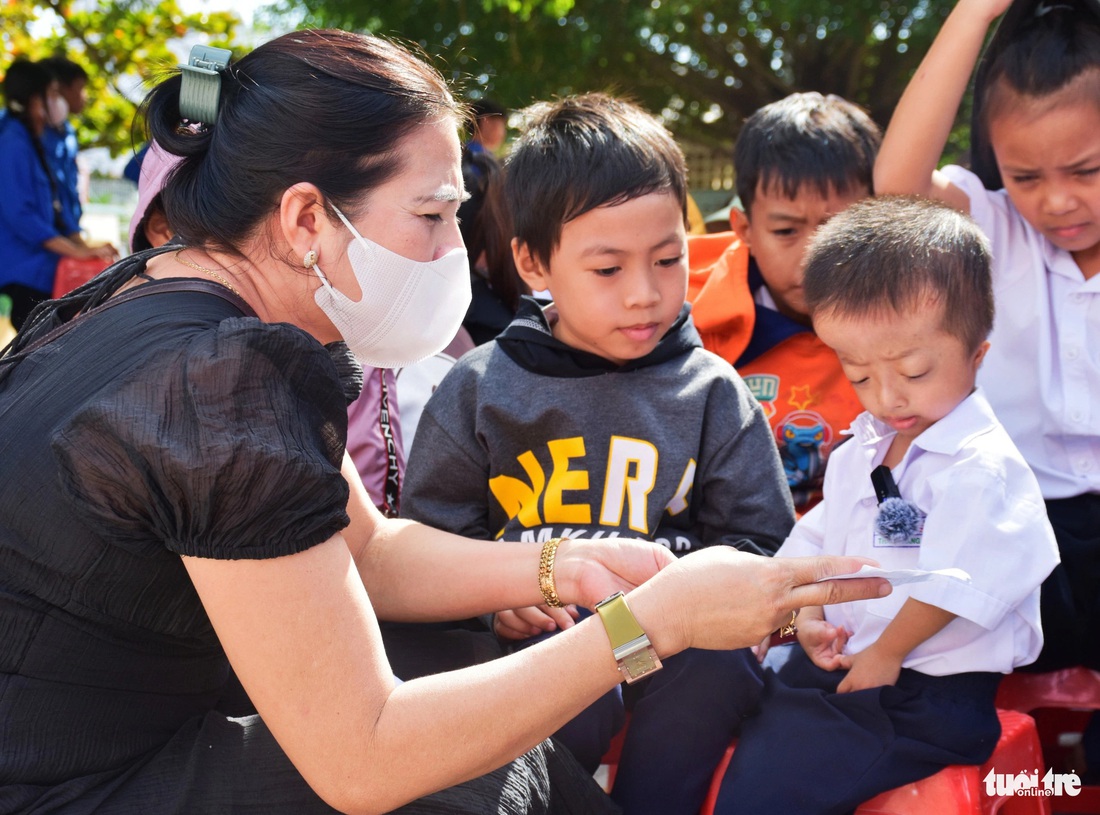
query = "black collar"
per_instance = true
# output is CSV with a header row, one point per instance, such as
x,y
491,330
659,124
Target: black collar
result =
x,y
529,342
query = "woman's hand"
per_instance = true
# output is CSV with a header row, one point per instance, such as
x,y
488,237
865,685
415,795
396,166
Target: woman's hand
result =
x,y
721,598
587,571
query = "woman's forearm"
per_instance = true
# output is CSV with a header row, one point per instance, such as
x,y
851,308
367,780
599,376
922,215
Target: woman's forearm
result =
x,y
414,573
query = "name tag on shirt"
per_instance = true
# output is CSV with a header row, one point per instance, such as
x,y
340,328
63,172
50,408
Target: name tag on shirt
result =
x,y
911,542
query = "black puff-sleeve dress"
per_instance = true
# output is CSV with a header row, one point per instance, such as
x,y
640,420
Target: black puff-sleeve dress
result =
x,y
170,425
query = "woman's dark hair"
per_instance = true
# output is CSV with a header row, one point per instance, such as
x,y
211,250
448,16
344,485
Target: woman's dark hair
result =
x,y
895,253
1036,51
23,82
323,107
825,143
585,152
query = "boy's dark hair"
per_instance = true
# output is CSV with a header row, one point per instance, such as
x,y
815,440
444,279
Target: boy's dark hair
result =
x,y
64,70
894,253
581,153
1036,51
825,142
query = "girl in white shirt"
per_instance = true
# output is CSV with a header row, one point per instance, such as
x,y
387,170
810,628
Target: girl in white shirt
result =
x,y
1037,113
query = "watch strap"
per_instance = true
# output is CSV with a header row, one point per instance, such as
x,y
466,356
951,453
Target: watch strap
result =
x,y
633,651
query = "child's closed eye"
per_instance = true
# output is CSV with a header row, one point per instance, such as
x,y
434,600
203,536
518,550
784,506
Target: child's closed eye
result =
x,y
669,262
610,270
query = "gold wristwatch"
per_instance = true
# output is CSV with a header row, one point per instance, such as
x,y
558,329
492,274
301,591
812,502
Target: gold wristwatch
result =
x,y
631,646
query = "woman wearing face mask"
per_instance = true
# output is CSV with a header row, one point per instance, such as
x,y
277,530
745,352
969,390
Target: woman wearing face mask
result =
x,y
175,497
33,229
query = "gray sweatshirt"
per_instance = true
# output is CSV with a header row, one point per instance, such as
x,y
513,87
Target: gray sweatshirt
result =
x,y
528,439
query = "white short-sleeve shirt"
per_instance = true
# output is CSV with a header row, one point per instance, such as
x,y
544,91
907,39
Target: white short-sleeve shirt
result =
x,y
984,515
1042,372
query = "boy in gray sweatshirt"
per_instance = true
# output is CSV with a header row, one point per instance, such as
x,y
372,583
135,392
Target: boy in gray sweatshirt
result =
x,y
602,416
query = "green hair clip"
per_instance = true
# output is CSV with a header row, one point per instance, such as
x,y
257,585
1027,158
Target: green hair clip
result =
x,y
201,87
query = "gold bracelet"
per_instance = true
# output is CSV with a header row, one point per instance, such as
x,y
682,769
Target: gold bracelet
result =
x,y
546,573
790,629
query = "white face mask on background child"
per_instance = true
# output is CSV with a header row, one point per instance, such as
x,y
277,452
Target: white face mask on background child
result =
x,y
409,309
57,110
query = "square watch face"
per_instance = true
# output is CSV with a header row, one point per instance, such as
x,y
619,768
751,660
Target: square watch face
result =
x,y
641,663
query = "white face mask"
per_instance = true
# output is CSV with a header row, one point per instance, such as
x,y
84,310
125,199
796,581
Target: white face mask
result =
x,y
57,110
409,309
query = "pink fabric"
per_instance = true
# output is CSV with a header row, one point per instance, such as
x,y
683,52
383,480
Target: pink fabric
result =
x,y
368,446
155,167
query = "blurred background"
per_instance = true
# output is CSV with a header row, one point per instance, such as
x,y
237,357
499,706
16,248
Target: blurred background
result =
x,y
702,65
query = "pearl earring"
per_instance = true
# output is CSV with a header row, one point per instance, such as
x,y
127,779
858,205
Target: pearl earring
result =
x,y
310,260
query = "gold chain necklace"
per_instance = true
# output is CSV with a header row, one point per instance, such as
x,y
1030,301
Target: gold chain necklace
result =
x,y
210,272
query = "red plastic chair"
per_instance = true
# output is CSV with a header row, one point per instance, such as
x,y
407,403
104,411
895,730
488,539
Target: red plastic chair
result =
x,y
953,790
1061,702
611,758
963,790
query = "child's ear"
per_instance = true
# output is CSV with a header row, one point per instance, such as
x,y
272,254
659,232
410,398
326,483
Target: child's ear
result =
x,y
157,231
739,223
979,355
529,267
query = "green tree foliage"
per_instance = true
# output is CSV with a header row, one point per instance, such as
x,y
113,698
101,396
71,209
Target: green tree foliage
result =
x,y
124,45
705,64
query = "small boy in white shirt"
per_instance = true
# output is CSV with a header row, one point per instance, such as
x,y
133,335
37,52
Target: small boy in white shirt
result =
x,y
889,691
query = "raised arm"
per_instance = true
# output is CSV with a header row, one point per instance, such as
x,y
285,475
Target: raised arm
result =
x,y
922,120
301,633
